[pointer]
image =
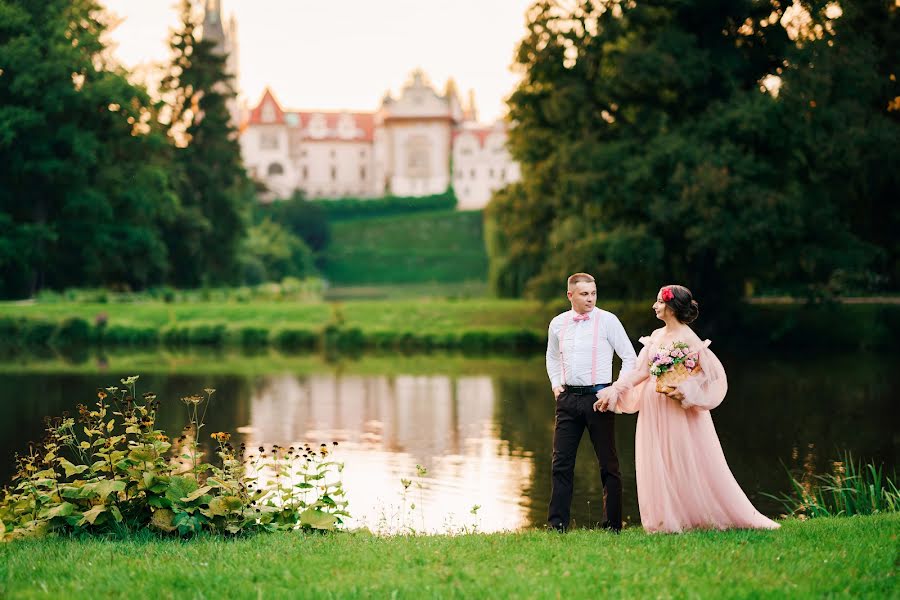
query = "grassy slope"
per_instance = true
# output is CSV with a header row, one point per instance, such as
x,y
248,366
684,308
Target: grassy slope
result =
x,y
444,246
848,557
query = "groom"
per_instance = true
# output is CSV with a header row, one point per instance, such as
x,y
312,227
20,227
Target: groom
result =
x,y
580,346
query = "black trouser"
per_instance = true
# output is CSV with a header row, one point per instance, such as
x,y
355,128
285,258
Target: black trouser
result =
x,y
574,412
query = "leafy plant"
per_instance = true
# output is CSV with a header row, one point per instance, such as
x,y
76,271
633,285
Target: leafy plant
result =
x,y
111,471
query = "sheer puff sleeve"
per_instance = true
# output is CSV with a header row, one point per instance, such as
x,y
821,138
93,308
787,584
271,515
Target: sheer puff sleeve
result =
x,y
628,388
707,389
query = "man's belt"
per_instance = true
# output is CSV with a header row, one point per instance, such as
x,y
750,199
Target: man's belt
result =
x,y
585,389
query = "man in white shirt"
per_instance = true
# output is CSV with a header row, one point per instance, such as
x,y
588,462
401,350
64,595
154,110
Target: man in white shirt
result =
x,y
580,345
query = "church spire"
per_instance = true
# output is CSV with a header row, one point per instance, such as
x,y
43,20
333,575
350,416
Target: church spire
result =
x,y
213,30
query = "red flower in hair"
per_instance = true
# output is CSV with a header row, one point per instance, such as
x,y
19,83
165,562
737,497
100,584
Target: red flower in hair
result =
x,y
667,295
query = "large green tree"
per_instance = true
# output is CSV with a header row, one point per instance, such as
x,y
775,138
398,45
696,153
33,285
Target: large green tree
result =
x,y
214,190
652,152
83,184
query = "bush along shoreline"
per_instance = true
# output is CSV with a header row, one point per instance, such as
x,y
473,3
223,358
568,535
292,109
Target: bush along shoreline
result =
x,y
110,471
780,326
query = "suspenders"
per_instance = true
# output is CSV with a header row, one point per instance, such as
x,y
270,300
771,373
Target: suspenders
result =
x,y
562,339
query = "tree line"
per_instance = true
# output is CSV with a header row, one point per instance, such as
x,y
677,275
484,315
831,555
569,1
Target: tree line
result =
x,y
102,184
736,146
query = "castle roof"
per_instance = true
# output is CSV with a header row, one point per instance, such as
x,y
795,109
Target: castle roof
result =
x,y
316,125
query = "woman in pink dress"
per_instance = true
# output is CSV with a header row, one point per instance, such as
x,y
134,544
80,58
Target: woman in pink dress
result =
x,y
683,480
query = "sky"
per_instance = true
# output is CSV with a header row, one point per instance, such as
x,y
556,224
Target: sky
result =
x,y
345,54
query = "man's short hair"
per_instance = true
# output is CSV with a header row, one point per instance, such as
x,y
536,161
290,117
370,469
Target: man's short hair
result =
x,y
578,278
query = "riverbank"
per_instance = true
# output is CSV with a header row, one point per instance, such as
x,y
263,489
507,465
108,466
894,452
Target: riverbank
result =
x,y
478,324
833,557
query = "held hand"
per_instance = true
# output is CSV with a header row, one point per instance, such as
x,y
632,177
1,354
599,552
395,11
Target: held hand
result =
x,y
676,395
557,391
603,398
601,405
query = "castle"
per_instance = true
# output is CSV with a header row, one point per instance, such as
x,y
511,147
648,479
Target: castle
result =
x,y
416,144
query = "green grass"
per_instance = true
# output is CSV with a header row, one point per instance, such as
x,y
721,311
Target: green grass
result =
x,y
427,315
208,362
830,557
441,247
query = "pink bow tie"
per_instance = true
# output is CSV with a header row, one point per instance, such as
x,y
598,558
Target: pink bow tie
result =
x,y
583,317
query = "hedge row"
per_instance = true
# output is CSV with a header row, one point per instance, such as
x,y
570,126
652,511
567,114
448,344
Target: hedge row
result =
x,y
832,326
79,332
344,209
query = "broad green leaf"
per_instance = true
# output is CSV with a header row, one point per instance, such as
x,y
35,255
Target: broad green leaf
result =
x,y
163,519
196,494
60,510
317,519
143,454
217,507
107,486
72,469
91,515
180,487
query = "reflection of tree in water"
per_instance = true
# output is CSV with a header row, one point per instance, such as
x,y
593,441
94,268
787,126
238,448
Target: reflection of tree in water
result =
x,y
803,409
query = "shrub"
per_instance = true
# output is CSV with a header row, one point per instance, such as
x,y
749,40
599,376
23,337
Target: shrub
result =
x,y
207,335
356,208
253,336
296,339
115,472
73,331
37,333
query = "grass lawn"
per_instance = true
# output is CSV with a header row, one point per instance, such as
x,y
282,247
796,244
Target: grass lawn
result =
x,y
441,246
839,557
428,315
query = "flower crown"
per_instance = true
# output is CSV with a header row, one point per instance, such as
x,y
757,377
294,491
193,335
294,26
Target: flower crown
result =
x,y
667,295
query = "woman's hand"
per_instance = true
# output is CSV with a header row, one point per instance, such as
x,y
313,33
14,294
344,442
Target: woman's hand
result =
x,y
676,395
603,398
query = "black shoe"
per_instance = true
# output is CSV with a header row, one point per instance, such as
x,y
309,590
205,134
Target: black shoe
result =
x,y
609,527
557,527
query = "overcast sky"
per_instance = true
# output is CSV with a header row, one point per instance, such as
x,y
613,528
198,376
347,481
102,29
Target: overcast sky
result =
x,y
345,54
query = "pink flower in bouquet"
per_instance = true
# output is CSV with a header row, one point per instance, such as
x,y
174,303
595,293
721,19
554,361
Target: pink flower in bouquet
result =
x,y
690,363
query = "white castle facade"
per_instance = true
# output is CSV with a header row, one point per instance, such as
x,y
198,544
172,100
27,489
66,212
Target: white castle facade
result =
x,y
416,144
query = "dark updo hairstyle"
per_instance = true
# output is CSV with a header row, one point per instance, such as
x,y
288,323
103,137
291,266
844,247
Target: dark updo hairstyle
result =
x,y
682,303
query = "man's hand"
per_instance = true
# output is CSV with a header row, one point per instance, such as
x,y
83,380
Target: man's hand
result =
x,y
557,391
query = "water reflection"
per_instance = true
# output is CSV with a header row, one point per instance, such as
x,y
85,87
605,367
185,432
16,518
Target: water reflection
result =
x,y
386,427
482,427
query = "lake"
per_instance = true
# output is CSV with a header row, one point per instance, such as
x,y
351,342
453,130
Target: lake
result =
x,y
481,427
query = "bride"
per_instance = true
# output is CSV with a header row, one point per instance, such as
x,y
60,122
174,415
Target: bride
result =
x,y
683,479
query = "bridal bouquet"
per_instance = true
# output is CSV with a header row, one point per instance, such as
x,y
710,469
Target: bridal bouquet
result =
x,y
673,364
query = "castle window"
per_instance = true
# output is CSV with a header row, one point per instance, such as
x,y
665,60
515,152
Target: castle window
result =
x,y
473,173
491,174
333,173
268,141
418,159
276,169
362,173
268,113
305,172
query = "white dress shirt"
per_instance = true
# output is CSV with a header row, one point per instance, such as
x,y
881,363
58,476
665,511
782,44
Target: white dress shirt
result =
x,y
576,359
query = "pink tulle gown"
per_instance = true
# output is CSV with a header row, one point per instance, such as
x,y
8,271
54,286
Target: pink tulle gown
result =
x,y
683,480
